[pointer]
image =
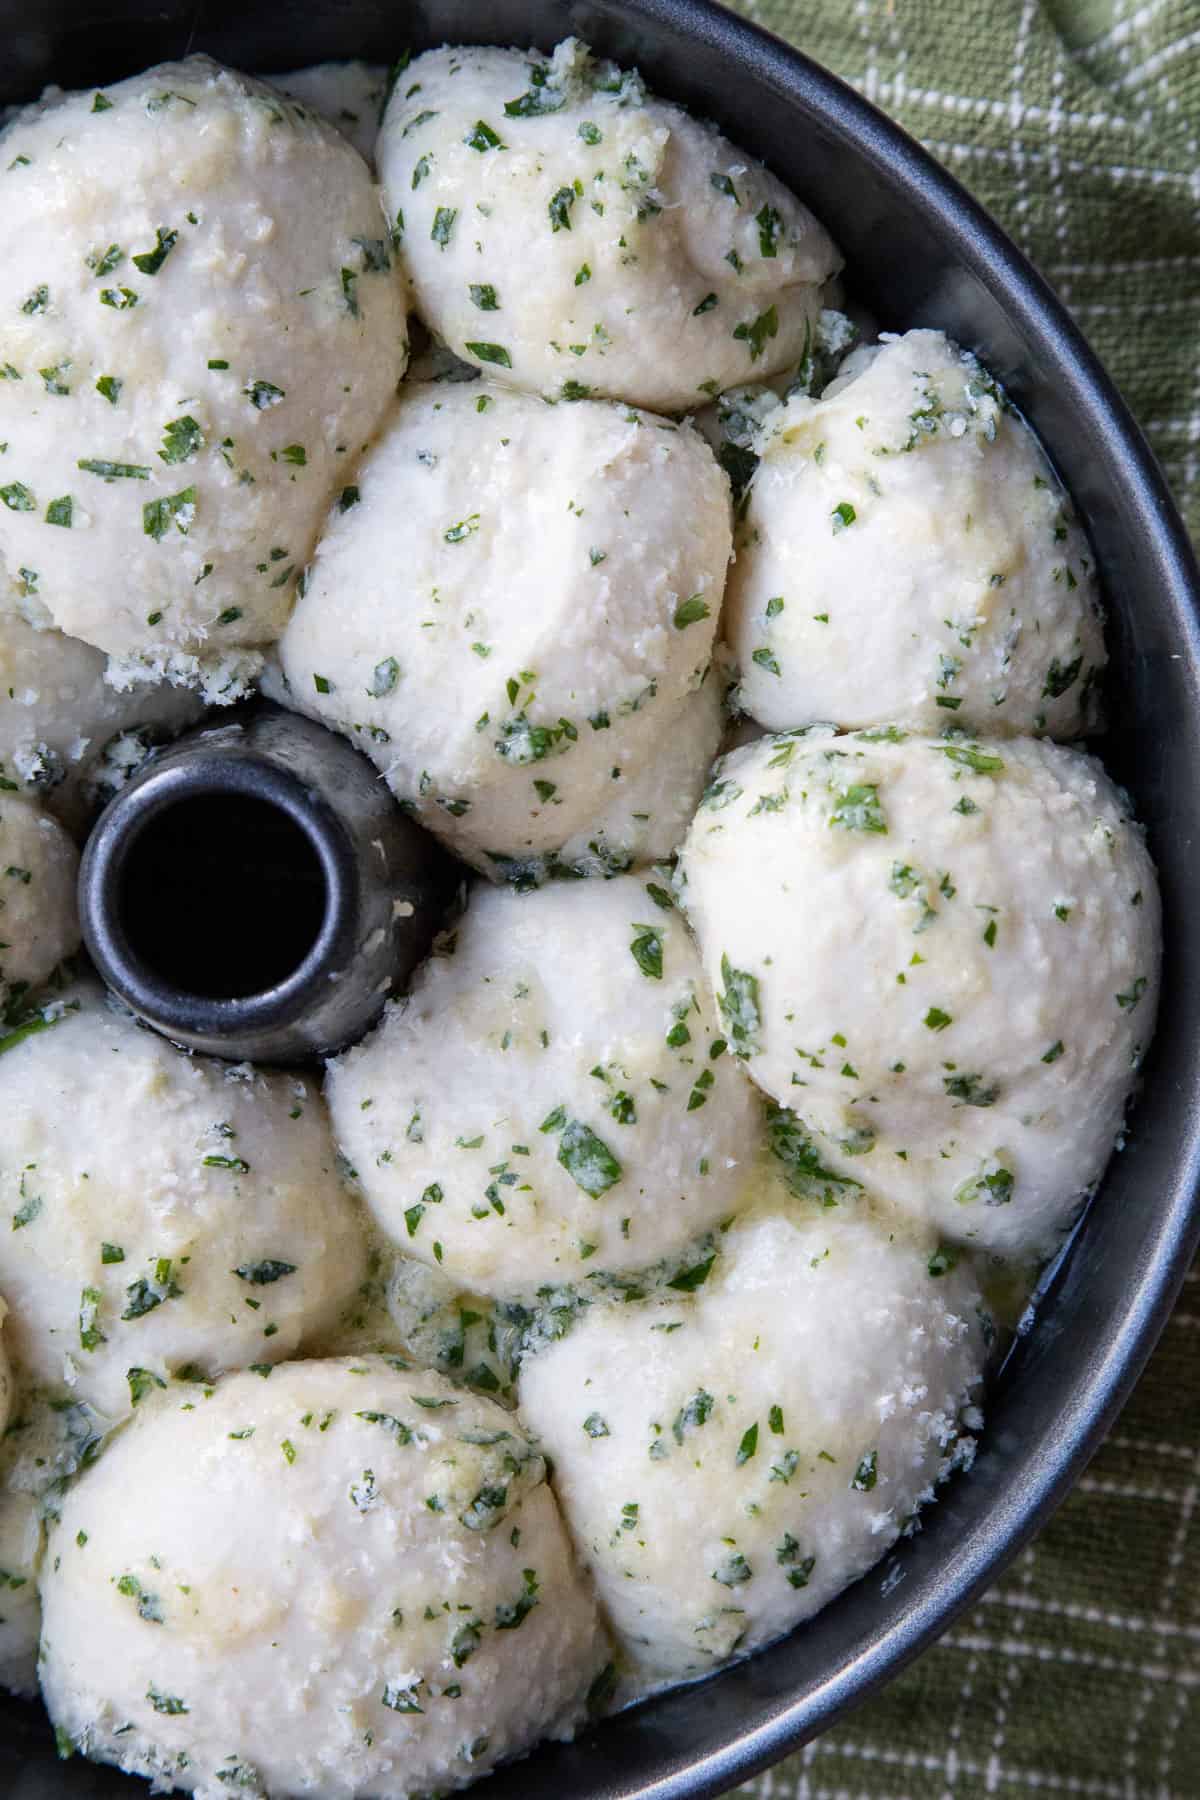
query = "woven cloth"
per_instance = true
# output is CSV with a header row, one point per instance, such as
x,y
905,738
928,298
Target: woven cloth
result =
x,y
1077,123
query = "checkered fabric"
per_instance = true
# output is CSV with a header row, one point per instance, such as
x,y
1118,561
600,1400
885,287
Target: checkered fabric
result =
x,y
1077,123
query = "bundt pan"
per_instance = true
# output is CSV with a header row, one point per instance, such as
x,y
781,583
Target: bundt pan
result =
x,y
918,251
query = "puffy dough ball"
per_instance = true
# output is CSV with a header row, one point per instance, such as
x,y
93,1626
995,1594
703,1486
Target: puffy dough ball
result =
x,y
907,554
191,1216
551,1100
350,95
202,327
728,1463
347,1580
942,955
39,922
65,733
510,605
657,261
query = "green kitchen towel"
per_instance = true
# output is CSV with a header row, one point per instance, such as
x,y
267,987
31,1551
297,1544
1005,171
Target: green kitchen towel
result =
x,y
1077,123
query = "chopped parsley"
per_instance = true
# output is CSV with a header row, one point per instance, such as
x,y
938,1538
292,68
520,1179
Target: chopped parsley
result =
x,y
481,137
173,509
748,1446
559,209
263,1274
970,756
805,1175
151,261
587,1159
182,438
738,1001
769,225
688,1280
142,1382
263,394
866,1474
690,612
647,950
756,332
1060,677
443,225
490,353
970,1090
859,809
113,471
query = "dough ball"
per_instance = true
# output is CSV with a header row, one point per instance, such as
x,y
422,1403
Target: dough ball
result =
x,y
203,326
551,1101
350,95
943,955
907,554
65,733
509,607
728,1463
191,1217
576,235
346,1580
39,923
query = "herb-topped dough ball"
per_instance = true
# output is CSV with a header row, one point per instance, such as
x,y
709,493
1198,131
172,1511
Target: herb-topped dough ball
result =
x,y
163,1211
61,723
347,1580
509,607
578,236
552,1100
942,955
907,554
728,1463
39,922
200,326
